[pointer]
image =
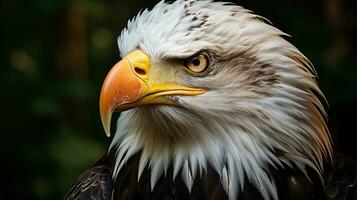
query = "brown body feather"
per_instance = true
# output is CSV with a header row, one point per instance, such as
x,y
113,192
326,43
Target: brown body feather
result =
x,y
96,184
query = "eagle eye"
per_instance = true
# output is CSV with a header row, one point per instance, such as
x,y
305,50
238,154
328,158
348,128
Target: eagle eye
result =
x,y
197,64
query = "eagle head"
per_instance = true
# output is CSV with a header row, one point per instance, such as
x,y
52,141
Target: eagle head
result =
x,y
210,83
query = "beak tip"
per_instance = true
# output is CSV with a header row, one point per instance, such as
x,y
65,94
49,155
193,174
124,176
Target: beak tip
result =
x,y
106,121
107,132
107,129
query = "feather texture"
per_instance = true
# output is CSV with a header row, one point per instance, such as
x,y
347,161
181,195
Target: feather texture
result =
x,y
262,107
95,183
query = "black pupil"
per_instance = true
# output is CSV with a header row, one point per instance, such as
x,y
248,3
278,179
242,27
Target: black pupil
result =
x,y
196,61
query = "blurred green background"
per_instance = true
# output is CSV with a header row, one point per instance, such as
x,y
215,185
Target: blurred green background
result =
x,y
54,57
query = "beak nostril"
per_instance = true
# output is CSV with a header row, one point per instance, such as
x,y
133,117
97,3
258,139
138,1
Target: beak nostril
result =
x,y
140,71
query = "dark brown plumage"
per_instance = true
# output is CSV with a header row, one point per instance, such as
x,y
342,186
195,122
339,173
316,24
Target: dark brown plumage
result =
x,y
96,184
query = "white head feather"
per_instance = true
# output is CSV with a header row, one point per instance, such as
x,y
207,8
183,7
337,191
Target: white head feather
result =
x,y
262,99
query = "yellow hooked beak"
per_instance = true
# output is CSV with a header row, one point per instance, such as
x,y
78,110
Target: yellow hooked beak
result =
x,y
128,85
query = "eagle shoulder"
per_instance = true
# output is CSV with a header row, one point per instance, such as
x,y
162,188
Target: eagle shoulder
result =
x,y
341,178
93,184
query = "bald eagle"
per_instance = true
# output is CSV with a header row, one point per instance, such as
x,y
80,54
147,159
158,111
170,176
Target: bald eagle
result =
x,y
215,104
